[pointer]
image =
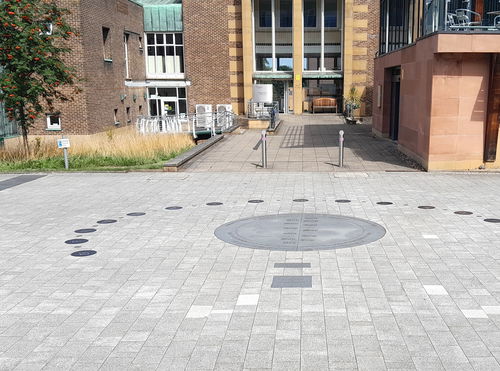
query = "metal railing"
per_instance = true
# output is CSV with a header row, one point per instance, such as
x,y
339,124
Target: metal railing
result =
x,y
195,124
462,16
264,111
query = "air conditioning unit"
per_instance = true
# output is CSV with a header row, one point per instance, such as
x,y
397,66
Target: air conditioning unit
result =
x,y
224,115
204,115
223,108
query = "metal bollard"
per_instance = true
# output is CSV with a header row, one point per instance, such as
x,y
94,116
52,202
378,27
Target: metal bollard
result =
x,y
341,148
264,149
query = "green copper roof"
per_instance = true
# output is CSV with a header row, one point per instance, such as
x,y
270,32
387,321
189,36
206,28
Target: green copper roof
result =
x,y
322,75
163,18
162,15
273,75
157,2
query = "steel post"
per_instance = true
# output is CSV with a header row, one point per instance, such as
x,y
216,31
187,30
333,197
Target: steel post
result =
x,y
341,148
264,149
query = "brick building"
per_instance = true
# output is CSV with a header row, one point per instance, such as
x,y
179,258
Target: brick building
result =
x,y
158,57
107,52
437,81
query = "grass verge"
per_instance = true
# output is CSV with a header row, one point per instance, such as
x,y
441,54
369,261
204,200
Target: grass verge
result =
x,y
117,150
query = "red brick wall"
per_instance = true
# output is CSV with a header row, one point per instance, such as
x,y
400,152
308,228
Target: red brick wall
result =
x,y
103,83
206,51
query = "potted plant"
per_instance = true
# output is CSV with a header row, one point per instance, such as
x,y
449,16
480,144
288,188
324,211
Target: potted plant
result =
x,y
352,103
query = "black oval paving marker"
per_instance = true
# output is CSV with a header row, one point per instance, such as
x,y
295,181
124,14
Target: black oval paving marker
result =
x,y
255,201
84,253
463,213
76,241
300,200
343,201
107,221
86,230
214,203
426,207
384,203
173,208
492,220
136,214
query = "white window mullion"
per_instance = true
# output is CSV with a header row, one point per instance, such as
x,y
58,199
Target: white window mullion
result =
x,y
322,20
273,37
125,42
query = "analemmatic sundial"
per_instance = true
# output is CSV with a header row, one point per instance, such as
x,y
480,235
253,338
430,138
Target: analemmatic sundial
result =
x,y
300,232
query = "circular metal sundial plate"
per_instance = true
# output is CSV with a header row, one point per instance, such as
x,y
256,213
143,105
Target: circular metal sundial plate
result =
x,y
136,214
463,212
492,220
106,221
300,232
255,201
76,241
86,230
84,253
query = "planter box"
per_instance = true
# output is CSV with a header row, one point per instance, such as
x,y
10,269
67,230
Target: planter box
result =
x,y
351,121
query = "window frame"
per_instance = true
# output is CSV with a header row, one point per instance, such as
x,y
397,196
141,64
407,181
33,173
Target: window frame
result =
x,y
164,44
157,99
318,17
126,38
106,44
50,126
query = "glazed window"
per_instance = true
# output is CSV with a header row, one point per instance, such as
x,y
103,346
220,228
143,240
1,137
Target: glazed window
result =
x,y
106,43
53,122
165,54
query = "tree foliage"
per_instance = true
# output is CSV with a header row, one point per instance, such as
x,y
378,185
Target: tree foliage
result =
x,y
33,35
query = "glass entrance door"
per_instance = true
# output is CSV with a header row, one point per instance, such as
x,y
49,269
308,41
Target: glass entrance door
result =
x,y
169,106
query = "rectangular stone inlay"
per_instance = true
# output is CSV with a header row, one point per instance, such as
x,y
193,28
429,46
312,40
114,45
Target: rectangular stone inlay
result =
x,y
280,282
292,265
18,180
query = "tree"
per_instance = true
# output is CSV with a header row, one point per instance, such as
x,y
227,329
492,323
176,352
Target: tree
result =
x,y
33,34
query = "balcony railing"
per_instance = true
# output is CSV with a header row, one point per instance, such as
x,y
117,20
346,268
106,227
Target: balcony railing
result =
x,y
461,16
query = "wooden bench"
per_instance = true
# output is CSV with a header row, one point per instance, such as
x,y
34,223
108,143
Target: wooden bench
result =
x,y
324,103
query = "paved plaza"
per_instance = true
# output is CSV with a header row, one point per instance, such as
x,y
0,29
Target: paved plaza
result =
x,y
163,292
304,143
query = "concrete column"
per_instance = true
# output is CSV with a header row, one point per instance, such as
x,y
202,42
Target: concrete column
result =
x,y
247,38
298,56
347,64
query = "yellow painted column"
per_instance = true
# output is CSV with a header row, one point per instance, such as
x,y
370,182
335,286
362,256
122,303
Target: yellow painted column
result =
x,y
298,57
247,39
348,44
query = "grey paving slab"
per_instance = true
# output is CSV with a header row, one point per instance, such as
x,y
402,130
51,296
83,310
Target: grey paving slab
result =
x,y
163,292
282,282
306,143
292,265
18,180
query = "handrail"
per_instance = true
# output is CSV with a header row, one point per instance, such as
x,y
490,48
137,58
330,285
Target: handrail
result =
x,y
191,123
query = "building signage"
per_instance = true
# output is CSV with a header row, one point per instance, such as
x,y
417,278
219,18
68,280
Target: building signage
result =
x,y
63,143
262,93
